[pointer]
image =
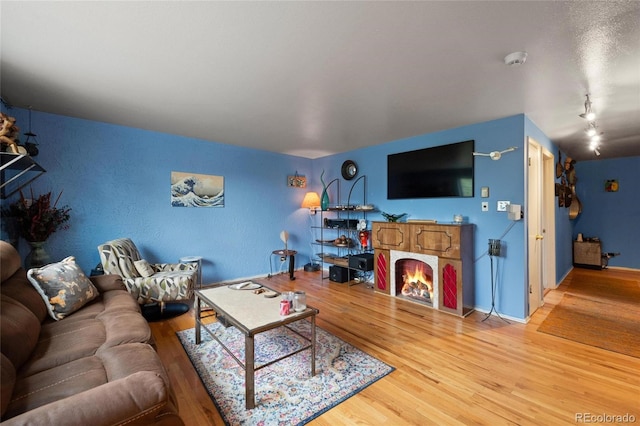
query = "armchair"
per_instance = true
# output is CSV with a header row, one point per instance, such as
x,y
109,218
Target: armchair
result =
x,y
163,282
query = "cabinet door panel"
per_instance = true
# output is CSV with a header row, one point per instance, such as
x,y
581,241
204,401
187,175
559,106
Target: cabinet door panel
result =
x,y
390,236
436,240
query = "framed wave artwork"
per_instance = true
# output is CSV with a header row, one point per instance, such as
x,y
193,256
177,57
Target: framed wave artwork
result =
x,y
196,190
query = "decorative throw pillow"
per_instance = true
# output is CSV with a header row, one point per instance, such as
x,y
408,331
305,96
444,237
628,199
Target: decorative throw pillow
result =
x,y
63,287
143,268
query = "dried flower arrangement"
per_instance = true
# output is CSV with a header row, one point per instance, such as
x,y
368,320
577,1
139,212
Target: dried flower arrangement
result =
x,y
37,218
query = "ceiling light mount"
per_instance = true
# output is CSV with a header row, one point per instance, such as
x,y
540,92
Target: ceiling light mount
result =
x,y
515,58
588,115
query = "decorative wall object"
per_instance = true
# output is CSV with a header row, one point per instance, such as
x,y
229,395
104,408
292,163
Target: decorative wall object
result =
x,y
297,181
611,185
324,198
566,188
196,190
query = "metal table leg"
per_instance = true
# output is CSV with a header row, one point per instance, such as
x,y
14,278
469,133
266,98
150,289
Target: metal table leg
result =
x,y
313,345
198,319
249,373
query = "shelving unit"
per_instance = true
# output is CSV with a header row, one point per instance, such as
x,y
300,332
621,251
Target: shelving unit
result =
x,y
16,172
341,220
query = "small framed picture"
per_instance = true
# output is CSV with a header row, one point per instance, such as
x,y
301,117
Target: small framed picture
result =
x,y
611,185
297,181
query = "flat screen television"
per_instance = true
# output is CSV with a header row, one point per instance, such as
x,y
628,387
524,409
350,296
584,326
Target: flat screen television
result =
x,y
440,171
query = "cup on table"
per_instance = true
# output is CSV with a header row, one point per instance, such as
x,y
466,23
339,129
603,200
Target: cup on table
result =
x,y
288,296
299,301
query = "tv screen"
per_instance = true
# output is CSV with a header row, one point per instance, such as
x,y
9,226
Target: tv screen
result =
x,y
441,171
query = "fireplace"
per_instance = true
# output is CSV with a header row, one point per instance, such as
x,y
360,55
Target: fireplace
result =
x,y
414,277
425,262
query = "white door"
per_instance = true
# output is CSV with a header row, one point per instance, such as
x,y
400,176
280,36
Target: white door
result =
x,y
534,224
548,221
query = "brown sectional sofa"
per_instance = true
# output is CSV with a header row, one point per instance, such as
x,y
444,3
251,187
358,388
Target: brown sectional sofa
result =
x,y
94,367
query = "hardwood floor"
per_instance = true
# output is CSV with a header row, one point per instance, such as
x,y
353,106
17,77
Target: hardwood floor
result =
x,y
448,370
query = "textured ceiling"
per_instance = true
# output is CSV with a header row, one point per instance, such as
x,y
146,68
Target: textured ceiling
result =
x,y
317,78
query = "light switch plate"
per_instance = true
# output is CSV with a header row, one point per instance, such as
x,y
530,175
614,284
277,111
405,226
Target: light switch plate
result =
x,y
484,192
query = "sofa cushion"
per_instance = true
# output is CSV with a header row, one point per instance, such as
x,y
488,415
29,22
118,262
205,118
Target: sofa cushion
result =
x,y
110,320
63,287
136,392
56,383
9,260
20,289
19,331
143,268
61,342
8,377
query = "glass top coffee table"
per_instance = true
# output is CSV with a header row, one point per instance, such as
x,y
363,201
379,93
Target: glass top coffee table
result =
x,y
252,314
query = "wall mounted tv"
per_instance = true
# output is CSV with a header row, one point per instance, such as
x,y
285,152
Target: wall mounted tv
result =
x,y
440,171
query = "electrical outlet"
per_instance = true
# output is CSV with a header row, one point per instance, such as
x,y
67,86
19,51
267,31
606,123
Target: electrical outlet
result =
x,y
485,206
502,205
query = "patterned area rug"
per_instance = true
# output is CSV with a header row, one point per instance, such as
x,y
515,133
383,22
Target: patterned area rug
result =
x,y
286,394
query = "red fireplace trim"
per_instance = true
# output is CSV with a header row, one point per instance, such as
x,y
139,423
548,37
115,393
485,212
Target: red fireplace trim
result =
x,y
449,287
382,272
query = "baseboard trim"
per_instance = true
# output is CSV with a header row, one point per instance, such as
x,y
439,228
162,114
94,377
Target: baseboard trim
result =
x,y
623,268
508,317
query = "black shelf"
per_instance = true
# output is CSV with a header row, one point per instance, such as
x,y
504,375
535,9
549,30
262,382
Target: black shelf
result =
x,y
338,255
16,172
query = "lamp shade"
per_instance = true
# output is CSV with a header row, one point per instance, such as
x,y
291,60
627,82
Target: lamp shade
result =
x,y
311,200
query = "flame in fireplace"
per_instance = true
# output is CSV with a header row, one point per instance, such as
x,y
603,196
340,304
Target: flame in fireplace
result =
x,y
417,283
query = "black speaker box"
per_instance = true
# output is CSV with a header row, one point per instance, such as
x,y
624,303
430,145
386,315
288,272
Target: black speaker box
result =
x,y
339,274
363,261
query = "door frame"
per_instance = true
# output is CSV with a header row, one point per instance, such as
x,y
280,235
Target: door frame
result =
x,y
542,214
548,221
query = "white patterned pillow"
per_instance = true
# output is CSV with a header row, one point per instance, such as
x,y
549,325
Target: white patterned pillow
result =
x,y
144,269
63,287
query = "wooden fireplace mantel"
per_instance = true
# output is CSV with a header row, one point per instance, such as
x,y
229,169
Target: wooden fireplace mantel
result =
x,y
451,243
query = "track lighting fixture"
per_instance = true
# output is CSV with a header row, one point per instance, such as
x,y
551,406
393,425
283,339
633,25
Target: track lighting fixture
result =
x,y
592,128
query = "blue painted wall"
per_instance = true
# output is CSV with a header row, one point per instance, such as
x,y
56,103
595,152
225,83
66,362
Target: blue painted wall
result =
x,y
117,181
505,178
614,217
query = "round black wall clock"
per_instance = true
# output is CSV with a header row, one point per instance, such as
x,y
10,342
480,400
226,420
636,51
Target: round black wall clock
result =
x,y
349,170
